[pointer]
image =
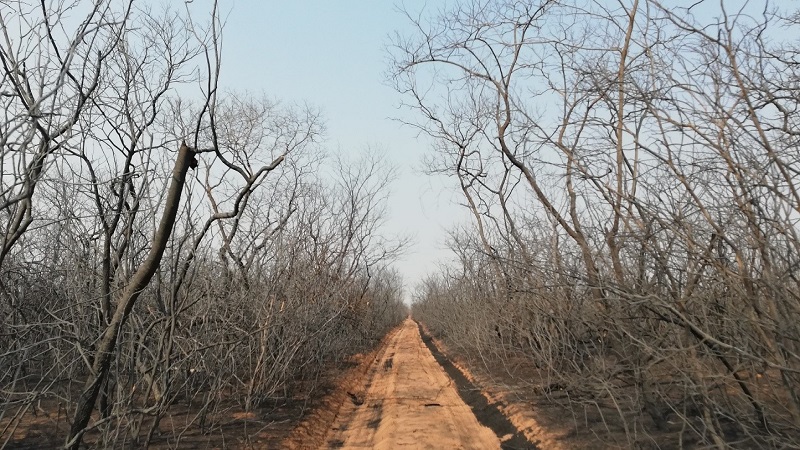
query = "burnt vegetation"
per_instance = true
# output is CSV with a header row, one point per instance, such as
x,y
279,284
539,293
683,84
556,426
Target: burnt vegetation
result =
x,y
167,246
172,249
631,173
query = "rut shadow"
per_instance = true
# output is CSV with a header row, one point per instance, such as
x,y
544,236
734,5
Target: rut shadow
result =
x,y
488,414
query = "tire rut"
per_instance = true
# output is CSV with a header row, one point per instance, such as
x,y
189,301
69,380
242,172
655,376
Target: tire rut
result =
x,y
415,398
487,413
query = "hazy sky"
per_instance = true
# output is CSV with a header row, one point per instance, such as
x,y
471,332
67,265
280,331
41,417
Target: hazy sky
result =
x,y
332,54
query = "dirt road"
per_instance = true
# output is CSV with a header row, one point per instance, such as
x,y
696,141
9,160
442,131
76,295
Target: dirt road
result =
x,y
408,402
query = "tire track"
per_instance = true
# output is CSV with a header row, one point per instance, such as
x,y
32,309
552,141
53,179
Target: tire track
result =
x,y
409,401
487,413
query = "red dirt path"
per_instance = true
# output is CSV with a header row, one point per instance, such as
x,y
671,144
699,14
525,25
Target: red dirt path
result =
x,y
410,403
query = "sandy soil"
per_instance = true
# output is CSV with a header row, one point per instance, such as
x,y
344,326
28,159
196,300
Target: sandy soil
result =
x,y
517,412
408,402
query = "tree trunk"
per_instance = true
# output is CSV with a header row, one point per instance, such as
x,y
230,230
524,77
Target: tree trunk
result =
x,y
108,341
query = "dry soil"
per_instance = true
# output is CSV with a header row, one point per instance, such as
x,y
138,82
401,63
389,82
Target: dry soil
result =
x,y
409,401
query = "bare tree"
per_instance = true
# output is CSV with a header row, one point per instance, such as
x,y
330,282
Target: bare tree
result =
x,y
139,283
658,142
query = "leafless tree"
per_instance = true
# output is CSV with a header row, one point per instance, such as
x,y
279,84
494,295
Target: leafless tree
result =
x,y
637,155
137,280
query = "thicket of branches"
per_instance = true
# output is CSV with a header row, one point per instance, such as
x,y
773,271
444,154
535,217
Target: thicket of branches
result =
x,y
133,277
632,171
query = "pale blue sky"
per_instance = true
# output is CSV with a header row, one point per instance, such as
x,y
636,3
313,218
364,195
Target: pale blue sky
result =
x,y
332,54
